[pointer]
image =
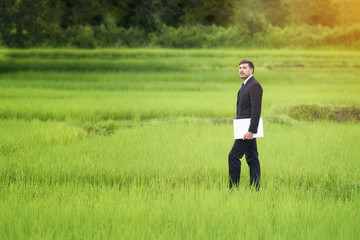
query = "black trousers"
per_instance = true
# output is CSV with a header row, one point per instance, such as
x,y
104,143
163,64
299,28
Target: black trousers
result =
x,y
249,148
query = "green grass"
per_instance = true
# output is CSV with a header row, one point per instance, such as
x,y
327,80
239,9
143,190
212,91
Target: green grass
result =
x,y
133,144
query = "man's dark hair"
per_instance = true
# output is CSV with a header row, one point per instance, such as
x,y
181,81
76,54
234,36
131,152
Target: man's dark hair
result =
x,y
251,65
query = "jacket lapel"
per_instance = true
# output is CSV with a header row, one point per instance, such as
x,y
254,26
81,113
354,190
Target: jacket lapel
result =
x,y
243,87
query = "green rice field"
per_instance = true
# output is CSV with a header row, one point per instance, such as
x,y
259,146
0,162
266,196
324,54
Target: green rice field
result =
x,y
133,144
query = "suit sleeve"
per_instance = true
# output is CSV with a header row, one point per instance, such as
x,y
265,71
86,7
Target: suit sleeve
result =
x,y
256,92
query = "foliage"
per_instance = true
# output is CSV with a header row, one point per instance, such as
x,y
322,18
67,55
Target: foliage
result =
x,y
179,23
314,112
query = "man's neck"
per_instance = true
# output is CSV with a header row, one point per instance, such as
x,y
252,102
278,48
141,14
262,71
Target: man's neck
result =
x,y
247,79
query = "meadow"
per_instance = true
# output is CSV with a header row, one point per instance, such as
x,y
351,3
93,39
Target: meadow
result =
x,y
133,144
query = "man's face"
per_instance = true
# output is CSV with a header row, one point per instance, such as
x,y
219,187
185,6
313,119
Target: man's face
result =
x,y
245,71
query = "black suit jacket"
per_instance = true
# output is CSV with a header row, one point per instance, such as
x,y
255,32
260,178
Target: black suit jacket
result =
x,y
249,103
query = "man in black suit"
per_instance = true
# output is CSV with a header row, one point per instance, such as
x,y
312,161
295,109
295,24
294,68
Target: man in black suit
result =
x,y
248,106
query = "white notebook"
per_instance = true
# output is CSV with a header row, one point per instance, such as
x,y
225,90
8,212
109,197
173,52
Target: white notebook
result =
x,y
241,126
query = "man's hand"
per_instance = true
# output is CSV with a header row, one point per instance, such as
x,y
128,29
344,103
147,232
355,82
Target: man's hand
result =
x,y
248,136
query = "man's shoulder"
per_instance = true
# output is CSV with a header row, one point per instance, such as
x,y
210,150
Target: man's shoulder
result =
x,y
254,81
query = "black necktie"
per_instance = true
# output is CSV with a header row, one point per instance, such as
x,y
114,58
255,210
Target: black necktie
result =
x,y
242,88
238,95
237,102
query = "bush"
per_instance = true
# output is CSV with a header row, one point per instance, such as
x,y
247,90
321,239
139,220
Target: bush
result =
x,y
200,36
182,37
108,34
312,36
314,112
134,37
84,37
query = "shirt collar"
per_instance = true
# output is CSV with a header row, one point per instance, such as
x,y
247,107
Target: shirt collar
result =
x,y
247,79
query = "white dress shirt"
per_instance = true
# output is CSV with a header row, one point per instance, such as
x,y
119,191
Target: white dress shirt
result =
x,y
247,79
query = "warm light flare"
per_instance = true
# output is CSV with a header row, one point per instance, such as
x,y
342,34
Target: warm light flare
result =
x,y
348,11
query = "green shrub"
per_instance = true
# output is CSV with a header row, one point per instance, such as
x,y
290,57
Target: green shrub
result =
x,y
134,37
108,34
84,37
201,36
333,113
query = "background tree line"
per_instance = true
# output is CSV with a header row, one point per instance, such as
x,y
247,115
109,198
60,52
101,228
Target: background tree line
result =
x,y
179,23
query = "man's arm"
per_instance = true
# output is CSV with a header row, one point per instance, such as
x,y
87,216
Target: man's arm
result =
x,y
255,98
